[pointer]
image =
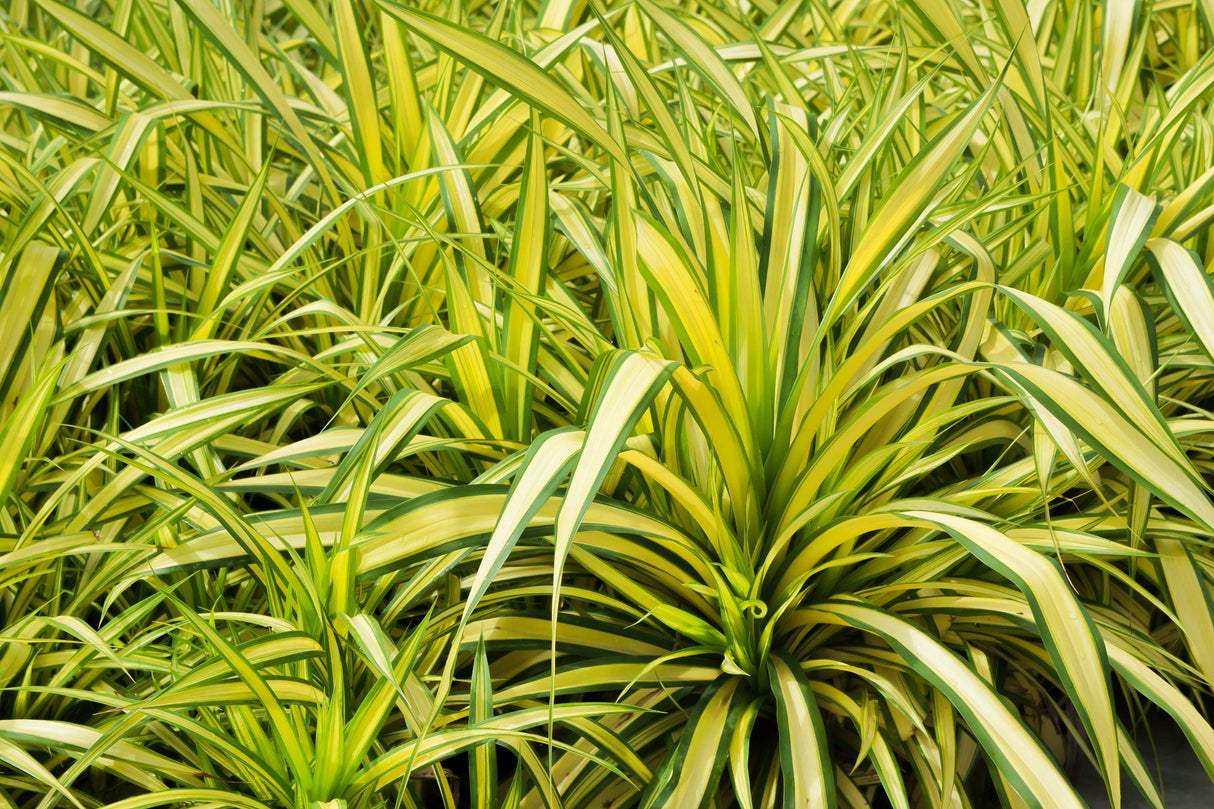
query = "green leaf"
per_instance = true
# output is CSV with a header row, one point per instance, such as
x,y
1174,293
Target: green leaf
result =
x,y
1066,628
508,69
1014,750
804,745
689,773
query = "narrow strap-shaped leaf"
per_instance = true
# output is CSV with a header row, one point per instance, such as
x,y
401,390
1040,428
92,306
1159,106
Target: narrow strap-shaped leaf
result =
x,y
906,205
23,762
804,746
125,145
399,419
68,110
1189,592
643,85
689,773
1117,440
216,27
705,61
20,429
464,221
286,732
482,763
1189,288
508,69
787,467
676,283
1137,769
1133,217
506,729
629,381
60,734
528,268
790,239
1017,754
176,354
1065,626
360,92
396,683
132,63
1171,699
739,754
25,290
1133,333
208,797
422,344
219,277
544,467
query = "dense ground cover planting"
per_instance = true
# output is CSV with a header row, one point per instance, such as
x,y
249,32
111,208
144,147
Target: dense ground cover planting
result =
x,y
582,404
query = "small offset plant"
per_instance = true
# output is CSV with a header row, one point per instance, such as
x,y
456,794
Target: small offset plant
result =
x,y
582,404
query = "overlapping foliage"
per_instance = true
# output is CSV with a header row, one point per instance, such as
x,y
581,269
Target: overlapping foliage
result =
x,y
599,405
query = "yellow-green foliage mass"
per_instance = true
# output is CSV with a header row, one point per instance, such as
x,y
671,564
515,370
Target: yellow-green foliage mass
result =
x,y
570,403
